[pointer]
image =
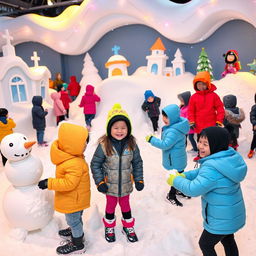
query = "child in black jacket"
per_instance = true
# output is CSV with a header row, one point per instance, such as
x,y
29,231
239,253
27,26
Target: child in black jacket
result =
x,y
151,106
253,122
233,118
38,119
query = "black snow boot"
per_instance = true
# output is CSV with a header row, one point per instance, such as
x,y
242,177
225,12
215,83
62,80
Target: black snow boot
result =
x,y
130,234
110,235
75,245
65,233
173,200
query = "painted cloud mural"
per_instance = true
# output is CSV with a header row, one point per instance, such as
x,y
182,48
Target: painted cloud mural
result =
x,y
78,28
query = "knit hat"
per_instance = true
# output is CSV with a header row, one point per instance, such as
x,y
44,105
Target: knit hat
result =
x,y
218,138
118,114
148,93
3,112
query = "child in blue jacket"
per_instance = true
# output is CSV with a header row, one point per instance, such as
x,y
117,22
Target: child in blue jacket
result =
x,y
217,181
173,145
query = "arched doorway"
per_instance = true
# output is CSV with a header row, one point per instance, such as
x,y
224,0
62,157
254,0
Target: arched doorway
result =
x,y
117,72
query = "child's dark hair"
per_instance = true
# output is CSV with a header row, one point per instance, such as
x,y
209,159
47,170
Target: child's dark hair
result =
x,y
3,112
106,141
164,114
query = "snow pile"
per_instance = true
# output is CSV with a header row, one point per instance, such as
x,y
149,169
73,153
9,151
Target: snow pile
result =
x,y
162,229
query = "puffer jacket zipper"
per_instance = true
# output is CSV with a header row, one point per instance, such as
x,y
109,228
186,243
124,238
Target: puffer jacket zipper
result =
x,y
206,220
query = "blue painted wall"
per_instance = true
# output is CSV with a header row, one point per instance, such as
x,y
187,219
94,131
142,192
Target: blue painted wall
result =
x,y
135,42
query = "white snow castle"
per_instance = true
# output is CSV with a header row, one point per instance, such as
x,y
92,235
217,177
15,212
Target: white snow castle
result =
x,y
157,61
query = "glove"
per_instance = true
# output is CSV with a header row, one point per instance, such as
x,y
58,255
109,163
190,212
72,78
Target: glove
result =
x,y
148,138
102,187
192,125
219,124
172,177
43,184
139,185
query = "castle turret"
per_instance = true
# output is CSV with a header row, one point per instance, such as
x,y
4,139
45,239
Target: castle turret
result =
x,y
178,64
157,60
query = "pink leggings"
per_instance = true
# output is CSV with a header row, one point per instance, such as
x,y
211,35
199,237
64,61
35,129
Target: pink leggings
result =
x,y
112,202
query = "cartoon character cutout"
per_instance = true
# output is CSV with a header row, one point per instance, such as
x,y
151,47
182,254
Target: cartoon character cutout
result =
x,y
232,63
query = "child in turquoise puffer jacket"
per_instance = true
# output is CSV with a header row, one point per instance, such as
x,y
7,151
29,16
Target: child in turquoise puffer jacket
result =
x,y
218,182
173,145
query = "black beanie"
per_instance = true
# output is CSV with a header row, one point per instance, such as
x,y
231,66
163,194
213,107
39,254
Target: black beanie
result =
x,y
3,112
218,138
116,119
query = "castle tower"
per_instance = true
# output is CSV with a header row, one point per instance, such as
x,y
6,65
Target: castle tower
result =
x,y
178,64
157,59
117,64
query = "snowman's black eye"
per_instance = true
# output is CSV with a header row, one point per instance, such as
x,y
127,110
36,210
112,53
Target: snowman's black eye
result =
x,y
24,138
11,144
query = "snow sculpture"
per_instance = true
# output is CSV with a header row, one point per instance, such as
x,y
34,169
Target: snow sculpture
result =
x,y
26,206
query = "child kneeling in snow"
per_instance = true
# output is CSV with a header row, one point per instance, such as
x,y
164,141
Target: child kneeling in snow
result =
x,y
173,145
218,182
71,185
115,164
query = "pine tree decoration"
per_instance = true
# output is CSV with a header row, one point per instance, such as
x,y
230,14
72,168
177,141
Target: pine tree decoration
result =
x,y
89,73
204,64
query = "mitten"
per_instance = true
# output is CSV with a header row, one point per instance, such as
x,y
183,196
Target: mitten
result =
x,y
43,184
102,187
192,125
172,177
148,138
139,185
219,124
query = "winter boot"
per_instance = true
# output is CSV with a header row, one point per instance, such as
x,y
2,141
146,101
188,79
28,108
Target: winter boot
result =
x,y
128,230
179,193
75,245
65,233
250,154
173,200
110,230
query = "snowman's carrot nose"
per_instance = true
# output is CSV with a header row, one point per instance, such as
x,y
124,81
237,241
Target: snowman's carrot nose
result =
x,y
29,144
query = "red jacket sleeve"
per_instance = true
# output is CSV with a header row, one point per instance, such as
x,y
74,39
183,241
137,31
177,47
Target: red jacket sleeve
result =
x,y
96,98
219,109
81,103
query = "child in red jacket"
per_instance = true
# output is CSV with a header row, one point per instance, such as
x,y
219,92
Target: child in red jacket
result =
x,y
205,107
73,88
64,98
88,102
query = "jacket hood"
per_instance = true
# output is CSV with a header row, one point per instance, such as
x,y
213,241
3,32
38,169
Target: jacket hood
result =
x,y
203,76
230,101
72,79
55,95
179,123
148,93
234,168
185,96
71,143
37,100
89,90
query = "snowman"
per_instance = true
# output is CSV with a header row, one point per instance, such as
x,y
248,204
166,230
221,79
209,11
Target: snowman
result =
x,y
26,206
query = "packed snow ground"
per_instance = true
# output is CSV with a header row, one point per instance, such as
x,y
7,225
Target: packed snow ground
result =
x,y
162,228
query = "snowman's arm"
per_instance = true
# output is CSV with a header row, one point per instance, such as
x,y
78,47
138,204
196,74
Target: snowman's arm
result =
x,y
69,182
